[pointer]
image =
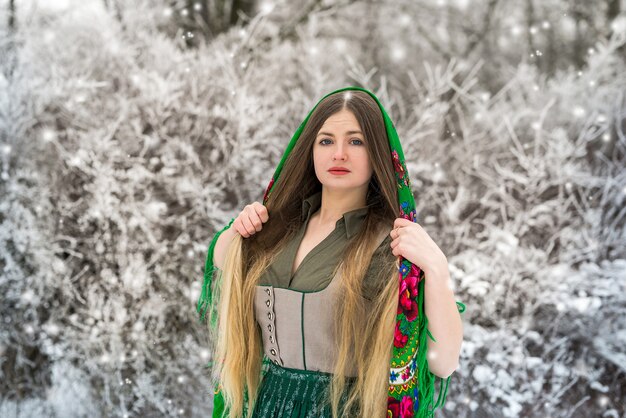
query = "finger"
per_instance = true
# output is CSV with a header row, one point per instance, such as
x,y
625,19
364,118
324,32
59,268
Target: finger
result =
x,y
261,210
254,218
398,222
245,220
261,213
240,228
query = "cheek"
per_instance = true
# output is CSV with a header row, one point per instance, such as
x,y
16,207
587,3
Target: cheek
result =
x,y
321,154
318,158
364,161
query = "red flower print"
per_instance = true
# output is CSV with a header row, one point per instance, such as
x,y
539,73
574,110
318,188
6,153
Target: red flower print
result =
x,y
408,295
400,409
397,165
393,406
406,407
411,216
415,272
399,339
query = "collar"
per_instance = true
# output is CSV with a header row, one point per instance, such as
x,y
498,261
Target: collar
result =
x,y
353,219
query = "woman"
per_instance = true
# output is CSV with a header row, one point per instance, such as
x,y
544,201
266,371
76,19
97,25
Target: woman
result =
x,y
313,318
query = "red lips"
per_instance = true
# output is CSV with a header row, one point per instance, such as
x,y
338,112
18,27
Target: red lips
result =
x,y
339,169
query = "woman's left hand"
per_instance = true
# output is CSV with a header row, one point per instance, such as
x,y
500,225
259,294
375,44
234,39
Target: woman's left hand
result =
x,y
411,241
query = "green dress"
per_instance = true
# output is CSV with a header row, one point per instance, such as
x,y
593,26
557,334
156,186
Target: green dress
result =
x,y
294,393
290,313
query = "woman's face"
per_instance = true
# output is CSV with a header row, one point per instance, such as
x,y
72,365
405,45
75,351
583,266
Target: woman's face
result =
x,y
340,143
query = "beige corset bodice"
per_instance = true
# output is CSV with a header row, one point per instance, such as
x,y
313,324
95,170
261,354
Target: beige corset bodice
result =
x,y
297,326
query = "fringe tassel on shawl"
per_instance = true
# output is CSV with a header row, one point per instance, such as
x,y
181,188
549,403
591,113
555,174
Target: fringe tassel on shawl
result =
x,y
426,379
205,303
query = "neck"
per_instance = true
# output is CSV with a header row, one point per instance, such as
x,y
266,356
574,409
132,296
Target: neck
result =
x,y
336,202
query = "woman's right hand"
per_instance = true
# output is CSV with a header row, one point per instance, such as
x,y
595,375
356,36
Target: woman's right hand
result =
x,y
251,219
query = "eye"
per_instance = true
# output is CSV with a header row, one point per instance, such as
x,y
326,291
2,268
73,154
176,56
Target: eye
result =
x,y
353,139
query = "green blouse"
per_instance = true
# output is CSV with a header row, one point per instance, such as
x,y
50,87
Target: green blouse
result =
x,y
315,271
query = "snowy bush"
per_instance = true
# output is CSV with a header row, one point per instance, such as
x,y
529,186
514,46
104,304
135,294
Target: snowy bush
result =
x,y
125,145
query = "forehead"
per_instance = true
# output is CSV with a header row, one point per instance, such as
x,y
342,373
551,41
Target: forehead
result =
x,y
341,119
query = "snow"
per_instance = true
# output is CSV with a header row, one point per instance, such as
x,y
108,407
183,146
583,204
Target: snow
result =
x,y
124,148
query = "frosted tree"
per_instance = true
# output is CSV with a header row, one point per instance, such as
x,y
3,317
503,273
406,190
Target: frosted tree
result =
x,y
126,143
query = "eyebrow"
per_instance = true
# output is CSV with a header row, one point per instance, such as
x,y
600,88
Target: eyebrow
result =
x,y
347,133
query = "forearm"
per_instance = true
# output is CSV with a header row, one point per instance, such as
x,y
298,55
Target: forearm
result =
x,y
444,322
223,241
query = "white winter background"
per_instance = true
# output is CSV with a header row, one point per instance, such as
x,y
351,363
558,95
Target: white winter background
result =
x,y
132,131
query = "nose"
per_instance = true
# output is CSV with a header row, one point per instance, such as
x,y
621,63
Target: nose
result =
x,y
339,153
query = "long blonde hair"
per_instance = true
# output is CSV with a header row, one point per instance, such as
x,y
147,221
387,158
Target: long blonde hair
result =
x,y
237,342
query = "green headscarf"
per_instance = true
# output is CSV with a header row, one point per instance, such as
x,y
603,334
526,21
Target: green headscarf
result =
x,y
411,384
